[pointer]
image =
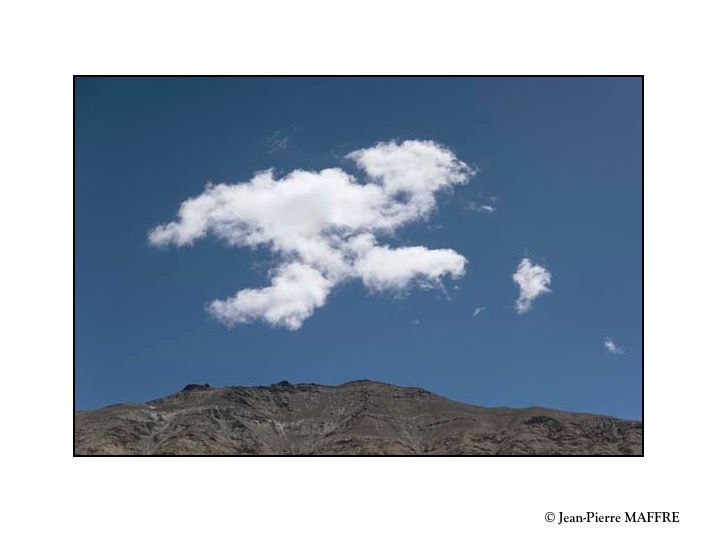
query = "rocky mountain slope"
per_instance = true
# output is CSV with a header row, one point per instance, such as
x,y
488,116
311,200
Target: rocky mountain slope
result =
x,y
356,418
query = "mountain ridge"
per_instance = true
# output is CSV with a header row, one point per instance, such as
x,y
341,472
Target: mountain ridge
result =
x,y
361,417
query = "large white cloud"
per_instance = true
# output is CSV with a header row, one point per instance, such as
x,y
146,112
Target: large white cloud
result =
x,y
325,226
533,281
295,292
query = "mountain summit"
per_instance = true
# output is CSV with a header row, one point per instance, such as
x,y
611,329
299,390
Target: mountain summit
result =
x,y
355,418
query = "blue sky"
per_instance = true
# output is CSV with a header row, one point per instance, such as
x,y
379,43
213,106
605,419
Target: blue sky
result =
x,y
558,159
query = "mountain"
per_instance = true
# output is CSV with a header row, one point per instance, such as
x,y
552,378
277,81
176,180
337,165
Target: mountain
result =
x,y
355,418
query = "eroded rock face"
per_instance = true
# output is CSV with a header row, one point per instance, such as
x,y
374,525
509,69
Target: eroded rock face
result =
x,y
356,418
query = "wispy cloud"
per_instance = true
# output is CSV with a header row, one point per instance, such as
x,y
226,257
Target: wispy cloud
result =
x,y
482,208
478,310
611,346
277,141
533,280
484,205
325,228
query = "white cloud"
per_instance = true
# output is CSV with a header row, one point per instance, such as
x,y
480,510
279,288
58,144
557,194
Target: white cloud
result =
x,y
611,346
325,227
383,268
295,292
483,204
482,208
533,281
478,310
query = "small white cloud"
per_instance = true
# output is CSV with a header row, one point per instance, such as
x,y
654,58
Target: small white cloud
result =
x,y
325,228
482,208
478,310
483,204
416,321
533,281
611,346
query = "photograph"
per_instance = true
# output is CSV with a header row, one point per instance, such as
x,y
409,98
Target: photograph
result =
x,y
359,270
358,265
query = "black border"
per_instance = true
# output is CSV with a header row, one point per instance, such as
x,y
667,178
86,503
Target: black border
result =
x,y
642,232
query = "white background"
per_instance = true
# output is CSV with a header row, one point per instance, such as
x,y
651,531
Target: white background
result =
x,y
46,493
